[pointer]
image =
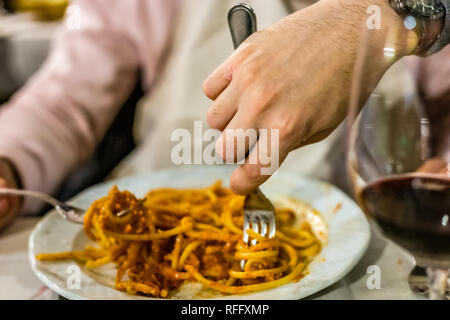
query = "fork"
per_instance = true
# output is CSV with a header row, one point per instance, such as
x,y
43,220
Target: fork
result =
x,y
65,210
259,213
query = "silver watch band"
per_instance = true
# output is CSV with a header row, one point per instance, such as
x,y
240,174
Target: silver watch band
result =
x,y
444,37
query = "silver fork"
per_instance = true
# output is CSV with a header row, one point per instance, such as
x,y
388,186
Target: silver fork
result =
x,y
259,214
65,210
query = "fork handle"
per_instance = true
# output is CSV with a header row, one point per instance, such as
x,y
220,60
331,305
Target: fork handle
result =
x,y
28,193
242,23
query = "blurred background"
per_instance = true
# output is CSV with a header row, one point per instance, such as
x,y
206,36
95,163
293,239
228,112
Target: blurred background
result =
x,y
26,30
26,27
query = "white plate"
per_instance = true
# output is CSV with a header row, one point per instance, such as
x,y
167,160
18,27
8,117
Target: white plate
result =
x,y
348,233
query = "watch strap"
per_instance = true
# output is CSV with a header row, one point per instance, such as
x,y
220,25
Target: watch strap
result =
x,y
444,37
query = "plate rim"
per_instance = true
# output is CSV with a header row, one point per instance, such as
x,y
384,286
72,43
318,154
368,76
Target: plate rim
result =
x,y
60,290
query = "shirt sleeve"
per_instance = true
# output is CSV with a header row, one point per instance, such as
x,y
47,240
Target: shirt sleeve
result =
x,y
54,123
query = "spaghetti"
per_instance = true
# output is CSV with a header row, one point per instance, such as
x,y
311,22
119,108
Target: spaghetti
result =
x,y
173,236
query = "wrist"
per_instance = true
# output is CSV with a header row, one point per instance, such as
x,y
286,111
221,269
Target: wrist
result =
x,y
389,33
428,33
427,24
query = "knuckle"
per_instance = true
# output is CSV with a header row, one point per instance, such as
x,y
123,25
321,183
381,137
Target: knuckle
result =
x,y
261,99
246,49
287,128
221,150
247,72
253,173
293,129
206,87
264,97
256,107
212,117
286,132
250,69
305,130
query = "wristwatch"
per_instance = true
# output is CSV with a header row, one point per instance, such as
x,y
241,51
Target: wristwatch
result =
x,y
429,15
423,9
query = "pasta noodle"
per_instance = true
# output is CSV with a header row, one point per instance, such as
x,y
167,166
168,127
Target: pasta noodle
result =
x,y
173,236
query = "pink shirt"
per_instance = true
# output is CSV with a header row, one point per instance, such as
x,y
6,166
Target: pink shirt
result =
x,y
54,123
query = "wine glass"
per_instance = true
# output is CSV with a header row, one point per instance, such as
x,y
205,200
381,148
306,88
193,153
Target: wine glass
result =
x,y
389,157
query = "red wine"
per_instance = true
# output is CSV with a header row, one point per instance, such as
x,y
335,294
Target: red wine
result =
x,y
414,211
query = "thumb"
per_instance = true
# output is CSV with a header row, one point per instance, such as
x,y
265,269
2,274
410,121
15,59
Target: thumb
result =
x,y
435,165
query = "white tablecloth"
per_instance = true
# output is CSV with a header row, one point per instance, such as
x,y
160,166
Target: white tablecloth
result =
x,y
17,280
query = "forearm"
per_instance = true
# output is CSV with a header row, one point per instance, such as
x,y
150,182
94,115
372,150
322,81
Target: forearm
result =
x,y
374,47
367,52
416,39
382,44
53,124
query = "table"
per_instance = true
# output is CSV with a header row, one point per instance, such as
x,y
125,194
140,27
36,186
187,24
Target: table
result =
x,y
17,280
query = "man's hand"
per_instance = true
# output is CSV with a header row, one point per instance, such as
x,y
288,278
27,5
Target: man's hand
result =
x,y
9,206
435,165
296,76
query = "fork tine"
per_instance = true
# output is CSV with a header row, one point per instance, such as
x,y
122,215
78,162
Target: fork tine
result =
x,y
264,222
245,236
254,219
273,226
259,214
246,227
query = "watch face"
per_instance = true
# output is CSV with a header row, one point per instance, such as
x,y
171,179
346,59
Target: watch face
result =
x,y
426,9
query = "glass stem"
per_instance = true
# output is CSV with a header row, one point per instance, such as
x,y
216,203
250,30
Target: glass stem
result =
x,y
437,280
